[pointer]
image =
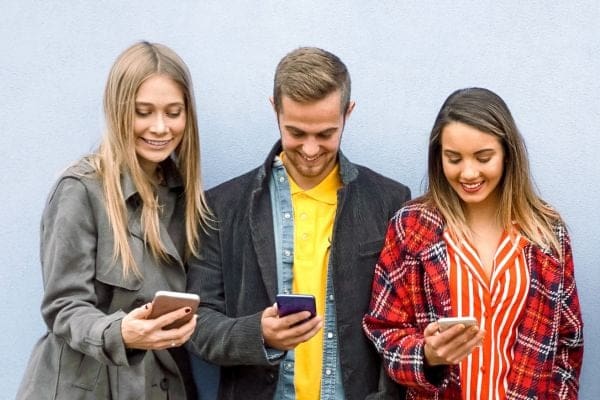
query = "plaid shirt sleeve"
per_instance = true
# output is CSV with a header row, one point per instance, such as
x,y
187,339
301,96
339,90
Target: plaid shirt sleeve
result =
x,y
392,323
569,354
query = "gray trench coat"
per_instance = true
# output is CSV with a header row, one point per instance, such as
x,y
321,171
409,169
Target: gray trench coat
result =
x,y
82,355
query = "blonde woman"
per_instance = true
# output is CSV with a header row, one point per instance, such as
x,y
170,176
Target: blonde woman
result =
x,y
117,227
480,243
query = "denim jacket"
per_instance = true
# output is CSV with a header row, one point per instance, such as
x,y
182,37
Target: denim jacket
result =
x,y
283,224
235,275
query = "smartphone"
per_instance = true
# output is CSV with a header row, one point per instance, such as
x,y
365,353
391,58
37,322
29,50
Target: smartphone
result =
x,y
445,323
166,301
293,303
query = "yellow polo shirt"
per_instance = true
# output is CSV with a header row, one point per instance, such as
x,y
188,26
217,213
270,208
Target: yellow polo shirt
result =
x,y
314,213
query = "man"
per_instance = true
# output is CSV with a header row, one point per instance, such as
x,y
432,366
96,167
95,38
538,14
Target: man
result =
x,y
306,221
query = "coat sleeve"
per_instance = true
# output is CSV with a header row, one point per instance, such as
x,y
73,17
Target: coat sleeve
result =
x,y
569,355
219,338
68,253
391,323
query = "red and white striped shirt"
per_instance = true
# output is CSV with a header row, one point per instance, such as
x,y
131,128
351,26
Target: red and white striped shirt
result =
x,y
497,302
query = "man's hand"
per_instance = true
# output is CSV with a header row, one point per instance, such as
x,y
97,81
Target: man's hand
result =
x,y
287,332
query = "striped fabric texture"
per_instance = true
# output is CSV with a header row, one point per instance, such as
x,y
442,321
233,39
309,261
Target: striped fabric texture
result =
x,y
496,301
411,289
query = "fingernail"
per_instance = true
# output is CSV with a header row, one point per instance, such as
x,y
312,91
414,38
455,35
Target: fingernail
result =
x,y
187,310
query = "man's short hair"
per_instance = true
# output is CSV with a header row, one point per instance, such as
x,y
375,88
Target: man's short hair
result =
x,y
309,74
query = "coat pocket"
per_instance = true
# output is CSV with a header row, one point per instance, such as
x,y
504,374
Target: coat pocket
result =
x,y
89,372
372,248
80,370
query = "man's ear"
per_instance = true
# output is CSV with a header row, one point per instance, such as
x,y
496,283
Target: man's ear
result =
x,y
351,105
272,101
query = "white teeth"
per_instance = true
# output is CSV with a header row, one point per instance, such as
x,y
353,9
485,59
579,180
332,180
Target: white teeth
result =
x,y
156,142
310,158
471,186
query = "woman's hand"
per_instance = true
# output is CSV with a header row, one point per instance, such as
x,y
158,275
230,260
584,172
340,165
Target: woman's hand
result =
x,y
148,334
452,345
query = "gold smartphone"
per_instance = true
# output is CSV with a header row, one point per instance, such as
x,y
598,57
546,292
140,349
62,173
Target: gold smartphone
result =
x,y
445,323
166,301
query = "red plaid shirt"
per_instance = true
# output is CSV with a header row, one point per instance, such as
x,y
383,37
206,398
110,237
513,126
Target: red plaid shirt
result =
x,y
411,289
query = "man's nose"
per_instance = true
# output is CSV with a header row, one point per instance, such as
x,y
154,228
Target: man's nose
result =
x,y
310,147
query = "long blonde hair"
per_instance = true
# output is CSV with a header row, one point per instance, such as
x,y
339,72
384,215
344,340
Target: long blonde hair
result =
x,y
486,111
116,154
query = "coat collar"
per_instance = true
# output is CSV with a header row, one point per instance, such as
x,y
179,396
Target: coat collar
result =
x,y
174,182
261,215
171,173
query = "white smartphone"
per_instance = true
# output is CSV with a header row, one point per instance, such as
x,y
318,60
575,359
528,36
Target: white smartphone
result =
x,y
447,322
166,301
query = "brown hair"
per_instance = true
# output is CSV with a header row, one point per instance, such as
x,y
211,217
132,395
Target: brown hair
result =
x,y
309,74
485,111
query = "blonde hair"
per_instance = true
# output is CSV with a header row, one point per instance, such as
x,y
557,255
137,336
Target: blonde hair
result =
x,y
116,154
487,112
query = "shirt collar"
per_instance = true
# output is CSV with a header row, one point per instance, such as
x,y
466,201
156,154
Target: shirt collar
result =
x,y
325,191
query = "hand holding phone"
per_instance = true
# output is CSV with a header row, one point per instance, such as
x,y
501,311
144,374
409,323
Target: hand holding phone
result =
x,y
447,322
166,301
295,303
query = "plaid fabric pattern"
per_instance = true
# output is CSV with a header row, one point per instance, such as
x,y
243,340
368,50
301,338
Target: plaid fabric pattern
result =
x,y
411,289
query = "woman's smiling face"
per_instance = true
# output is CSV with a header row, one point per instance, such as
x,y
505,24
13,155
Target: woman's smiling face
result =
x,y
159,123
473,164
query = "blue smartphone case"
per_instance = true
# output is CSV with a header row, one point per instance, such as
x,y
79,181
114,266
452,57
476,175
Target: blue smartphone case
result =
x,y
293,303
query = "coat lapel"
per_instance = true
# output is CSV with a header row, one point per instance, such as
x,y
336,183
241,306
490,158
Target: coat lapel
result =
x,y
428,245
165,237
435,264
134,223
261,225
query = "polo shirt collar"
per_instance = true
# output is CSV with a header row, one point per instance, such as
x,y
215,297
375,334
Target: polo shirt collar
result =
x,y
325,191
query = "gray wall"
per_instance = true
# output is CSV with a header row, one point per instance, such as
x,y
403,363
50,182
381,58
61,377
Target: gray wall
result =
x,y
542,57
